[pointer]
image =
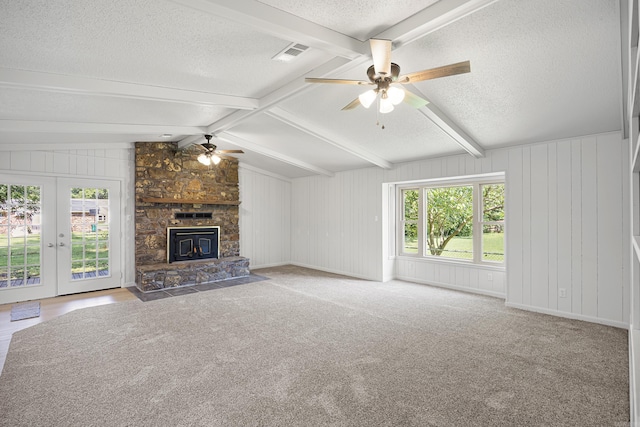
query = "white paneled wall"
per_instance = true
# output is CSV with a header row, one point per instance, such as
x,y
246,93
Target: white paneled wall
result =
x,y
471,278
116,163
113,164
265,218
566,207
579,187
337,223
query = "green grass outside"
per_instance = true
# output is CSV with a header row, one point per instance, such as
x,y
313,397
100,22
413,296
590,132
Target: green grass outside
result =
x,y
86,256
462,247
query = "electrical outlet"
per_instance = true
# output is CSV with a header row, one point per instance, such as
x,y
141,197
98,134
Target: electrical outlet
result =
x,y
490,277
562,292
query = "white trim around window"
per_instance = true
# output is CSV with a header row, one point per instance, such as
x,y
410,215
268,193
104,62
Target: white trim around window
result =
x,y
412,236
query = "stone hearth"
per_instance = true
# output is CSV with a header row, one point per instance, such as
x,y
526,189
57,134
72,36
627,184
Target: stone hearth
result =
x,y
188,273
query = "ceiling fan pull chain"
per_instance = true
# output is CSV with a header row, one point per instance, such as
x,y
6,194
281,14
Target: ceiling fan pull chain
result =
x,y
378,114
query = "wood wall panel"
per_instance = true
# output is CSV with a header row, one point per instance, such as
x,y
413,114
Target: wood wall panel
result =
x,y
575,293
589,212
539,226
265,218
564,222
514,225
526,226
552,215
610,219
334,223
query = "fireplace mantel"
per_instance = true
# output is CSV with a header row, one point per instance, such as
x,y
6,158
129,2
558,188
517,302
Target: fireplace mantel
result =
x,y
189,201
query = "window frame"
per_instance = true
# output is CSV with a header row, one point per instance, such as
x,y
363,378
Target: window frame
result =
x,y
482,223
477,223
403,221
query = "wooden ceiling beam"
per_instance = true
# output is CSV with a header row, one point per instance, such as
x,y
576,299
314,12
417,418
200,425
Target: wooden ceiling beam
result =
x,y
269,20
430,19
449,127
325,135
96,87
257,148
292,88
37,126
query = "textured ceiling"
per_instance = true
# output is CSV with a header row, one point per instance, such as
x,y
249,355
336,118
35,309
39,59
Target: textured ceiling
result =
x,y
112,72
357,19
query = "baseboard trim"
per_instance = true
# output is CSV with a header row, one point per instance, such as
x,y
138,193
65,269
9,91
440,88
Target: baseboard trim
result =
x,y
329,270
274,264
567,315
453,287
634,371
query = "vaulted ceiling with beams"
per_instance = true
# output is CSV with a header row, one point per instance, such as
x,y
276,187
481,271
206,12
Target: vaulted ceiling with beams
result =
x,y
108,73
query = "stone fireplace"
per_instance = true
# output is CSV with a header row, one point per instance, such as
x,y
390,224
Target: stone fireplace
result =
x,y
174,192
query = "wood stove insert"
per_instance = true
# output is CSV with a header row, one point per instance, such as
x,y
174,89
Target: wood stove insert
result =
x,y
192,243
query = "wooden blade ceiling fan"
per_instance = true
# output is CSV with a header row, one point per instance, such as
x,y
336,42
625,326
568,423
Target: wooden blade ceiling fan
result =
x,y
384,73
212,155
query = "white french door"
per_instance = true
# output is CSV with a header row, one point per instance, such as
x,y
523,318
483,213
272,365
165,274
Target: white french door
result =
x,y
88,231
57,236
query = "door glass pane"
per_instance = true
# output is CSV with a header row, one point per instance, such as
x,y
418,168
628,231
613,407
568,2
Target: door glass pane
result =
x,y
89,233
20,245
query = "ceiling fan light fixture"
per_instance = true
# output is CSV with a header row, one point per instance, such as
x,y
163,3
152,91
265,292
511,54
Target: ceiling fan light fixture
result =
x,y
386,106
215,159
396,95
204,159
367,98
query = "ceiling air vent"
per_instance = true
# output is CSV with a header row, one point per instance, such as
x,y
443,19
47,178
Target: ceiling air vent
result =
x,y
290,52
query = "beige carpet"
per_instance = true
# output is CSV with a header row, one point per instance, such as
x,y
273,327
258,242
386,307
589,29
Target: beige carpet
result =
x,y
313,349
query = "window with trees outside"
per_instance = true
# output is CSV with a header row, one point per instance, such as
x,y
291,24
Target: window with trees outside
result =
x,y
460,220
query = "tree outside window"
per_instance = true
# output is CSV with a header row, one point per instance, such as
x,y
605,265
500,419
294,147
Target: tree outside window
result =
x,y
410,215
493,222
449,222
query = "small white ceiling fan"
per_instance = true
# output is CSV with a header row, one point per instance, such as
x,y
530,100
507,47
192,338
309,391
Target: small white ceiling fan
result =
x,y
384,73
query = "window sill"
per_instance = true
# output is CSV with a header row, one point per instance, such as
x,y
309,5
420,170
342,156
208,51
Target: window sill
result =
x,y
461,263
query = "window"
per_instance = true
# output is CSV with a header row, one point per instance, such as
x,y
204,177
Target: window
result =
x,y
410,203
458,219
492,223
449,221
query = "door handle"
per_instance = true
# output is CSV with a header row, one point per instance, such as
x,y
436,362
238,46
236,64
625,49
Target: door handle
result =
x,y
50,245
61,244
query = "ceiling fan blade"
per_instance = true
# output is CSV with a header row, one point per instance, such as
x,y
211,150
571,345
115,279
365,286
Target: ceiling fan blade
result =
x,y
229,151
226,156
434,73
353,104
381,53
336,81
414,100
